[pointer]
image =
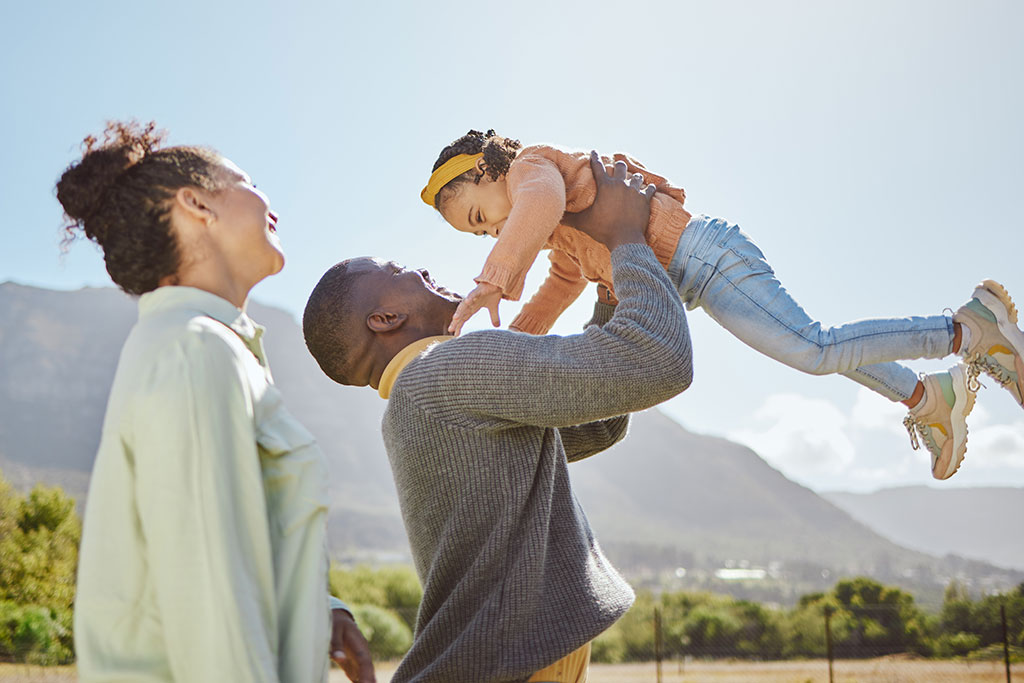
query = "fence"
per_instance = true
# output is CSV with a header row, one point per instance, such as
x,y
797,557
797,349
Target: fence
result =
x,y
692,638
859,643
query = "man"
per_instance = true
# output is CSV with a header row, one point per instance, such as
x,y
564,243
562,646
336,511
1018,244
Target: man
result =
x,y
478,431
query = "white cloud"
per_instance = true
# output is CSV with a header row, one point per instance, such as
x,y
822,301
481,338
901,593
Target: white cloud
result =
x,y
804,437
998,445
873,411
813,441
979,417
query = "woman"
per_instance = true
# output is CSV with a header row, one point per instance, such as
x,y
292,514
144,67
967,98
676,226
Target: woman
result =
x,y
203,552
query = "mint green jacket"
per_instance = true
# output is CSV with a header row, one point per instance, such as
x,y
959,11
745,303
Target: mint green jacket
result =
x,y
203,551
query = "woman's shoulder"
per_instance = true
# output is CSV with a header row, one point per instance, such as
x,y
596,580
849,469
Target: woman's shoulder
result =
x,y
181,337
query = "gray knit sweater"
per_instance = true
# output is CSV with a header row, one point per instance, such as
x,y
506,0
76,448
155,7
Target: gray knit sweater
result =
x,y
478,431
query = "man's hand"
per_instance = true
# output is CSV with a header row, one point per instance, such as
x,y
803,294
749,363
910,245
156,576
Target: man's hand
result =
x,y
484,295
621,210
349,648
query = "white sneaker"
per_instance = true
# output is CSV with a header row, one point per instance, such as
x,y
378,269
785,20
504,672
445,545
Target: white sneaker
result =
x,y
940,418
996,343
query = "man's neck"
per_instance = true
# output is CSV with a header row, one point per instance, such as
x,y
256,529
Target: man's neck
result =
x,y
402,359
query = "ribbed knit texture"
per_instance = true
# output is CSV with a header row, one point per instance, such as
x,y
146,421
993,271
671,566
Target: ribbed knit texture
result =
x,y
478,431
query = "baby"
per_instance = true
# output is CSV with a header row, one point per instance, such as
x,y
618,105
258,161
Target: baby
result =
x,y
525,197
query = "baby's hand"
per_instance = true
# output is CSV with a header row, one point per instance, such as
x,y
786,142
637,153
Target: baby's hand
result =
x,y
485,295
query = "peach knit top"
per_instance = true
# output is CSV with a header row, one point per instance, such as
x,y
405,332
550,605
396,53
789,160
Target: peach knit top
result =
x,y
544,182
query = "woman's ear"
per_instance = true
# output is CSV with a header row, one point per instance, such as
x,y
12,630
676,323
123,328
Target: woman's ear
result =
x,y
192,202
382,321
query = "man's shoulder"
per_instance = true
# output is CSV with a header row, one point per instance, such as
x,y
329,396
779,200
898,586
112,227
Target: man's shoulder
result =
x,y
464,368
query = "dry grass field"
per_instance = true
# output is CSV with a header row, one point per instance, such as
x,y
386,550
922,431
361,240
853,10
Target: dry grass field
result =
x,y
885,670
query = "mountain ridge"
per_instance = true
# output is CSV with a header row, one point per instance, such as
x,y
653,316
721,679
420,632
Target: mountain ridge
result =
x,y
664,496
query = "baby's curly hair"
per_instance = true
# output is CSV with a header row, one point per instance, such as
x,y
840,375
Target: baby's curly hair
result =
x,y
118,193
498,154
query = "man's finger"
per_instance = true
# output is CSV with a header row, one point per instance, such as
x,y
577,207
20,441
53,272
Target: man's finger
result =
x,y
366,674
597,166
361,661
620,171
649,191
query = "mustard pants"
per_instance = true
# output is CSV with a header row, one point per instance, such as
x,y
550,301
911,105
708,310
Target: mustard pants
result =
x,y
571,668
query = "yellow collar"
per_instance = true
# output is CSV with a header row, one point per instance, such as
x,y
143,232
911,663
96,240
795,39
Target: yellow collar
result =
x,y
403,358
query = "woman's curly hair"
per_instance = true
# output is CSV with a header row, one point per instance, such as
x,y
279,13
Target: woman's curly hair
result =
x,y
498,154
118,195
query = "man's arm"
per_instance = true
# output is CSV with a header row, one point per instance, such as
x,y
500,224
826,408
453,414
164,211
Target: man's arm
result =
x,y
638,359
348,646
583,441
589,439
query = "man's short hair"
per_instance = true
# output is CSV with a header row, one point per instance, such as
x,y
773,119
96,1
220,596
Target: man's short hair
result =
x,y
326,321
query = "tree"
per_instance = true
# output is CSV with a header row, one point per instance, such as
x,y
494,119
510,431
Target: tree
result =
x,y
884,619
39,537
955,616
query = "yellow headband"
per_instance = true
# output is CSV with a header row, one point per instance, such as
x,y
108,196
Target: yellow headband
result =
x,y
447,172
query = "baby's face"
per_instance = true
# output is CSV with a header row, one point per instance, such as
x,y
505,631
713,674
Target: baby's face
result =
x,y
479,209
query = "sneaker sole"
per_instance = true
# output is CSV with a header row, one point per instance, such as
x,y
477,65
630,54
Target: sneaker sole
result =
x,y
963,404
997,300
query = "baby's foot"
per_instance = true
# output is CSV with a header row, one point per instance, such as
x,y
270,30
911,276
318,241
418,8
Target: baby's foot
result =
x,y
995,343
940,418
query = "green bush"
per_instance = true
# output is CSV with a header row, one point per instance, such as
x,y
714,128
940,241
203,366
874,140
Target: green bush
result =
x,y
395,588
39,537
609,647
960,644
995,652
34,634
387,634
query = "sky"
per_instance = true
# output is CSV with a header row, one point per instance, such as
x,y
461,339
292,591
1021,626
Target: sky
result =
x,y
872,149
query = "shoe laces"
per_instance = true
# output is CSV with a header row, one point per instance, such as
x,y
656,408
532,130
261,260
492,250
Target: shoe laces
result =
x,y
914,426
981,362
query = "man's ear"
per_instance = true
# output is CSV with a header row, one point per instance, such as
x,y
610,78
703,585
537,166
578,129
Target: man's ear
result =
x,y
385,321
194,204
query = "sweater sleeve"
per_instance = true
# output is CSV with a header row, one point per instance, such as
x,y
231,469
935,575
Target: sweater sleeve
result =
x,y
562,286
537,191
588,439
496,379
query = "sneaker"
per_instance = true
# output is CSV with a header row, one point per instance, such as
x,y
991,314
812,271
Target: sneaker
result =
x,y
940,418
996,344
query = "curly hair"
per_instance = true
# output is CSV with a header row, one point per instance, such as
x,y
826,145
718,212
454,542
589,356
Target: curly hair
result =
x,y
498,155
118,195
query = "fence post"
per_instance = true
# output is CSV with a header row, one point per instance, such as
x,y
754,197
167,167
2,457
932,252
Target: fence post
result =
x,y
828,640
657,640
1006,641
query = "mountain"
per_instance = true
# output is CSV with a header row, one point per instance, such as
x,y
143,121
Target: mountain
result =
x,y
979,523
663,499
58,353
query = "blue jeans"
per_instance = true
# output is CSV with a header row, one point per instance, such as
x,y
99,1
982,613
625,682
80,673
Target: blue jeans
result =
x,y
718,268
